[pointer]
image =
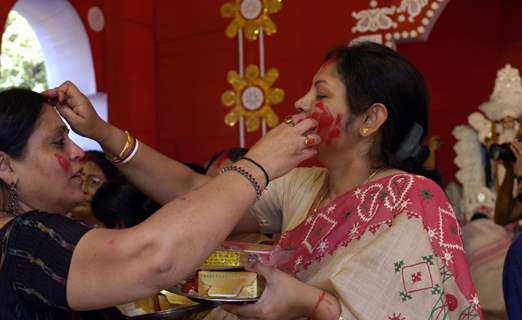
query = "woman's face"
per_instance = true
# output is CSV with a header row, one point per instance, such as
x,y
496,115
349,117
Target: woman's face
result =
x,y
326,102
93,179
49,175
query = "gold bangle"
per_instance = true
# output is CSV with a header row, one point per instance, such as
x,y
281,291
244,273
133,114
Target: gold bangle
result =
x,y
124,149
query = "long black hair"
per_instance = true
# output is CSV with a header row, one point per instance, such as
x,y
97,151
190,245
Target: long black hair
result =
x,y
374,73
20,110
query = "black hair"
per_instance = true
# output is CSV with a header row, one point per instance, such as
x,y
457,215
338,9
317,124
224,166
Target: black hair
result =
x,y
20,110
233,154
373,73
110,171
118,202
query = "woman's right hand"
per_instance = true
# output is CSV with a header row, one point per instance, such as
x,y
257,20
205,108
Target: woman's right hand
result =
x,y
77,110
287,145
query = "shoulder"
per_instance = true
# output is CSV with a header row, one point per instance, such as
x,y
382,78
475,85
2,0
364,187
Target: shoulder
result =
x,y
297,181
48,218
412,182
414,191
38,225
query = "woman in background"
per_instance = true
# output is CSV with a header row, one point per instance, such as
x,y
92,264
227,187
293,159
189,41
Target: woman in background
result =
x,y
96,171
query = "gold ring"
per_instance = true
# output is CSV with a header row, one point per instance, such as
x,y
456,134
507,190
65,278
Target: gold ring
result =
x,y
309,141
289,120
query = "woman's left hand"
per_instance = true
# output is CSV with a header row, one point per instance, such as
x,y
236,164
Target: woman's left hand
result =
x,y
284,297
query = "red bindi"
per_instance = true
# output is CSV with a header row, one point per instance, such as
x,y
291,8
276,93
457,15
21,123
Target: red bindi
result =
x,y
63,162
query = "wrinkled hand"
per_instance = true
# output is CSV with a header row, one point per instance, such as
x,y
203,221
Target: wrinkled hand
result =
x,y
285,146
77,110
284,297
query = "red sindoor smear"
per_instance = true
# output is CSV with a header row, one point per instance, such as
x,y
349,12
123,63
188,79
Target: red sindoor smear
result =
x,y
63,162
328,127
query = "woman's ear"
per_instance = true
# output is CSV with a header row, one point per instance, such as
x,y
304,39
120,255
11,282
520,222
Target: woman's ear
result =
x,y
374,117
7,174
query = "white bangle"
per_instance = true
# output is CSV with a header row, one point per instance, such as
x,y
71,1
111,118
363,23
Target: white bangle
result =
x,y
132,154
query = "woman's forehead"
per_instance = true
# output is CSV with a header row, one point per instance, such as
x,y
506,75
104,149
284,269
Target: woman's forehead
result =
x,y
50,123
327,71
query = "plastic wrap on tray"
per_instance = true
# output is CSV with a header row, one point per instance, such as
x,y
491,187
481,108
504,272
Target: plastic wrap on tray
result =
x,y
237,255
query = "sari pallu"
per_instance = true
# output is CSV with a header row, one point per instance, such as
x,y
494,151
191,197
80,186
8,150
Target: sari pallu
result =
x,y
390,249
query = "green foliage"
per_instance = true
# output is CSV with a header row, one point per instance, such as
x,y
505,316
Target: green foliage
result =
x,y
21,59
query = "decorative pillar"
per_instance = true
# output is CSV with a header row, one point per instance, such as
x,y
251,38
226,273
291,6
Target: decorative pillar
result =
x,y
252,96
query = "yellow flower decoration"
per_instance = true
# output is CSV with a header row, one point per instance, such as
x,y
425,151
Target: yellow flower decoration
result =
x,y
251,15
252,98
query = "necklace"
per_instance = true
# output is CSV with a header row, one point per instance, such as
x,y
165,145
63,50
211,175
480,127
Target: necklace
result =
x,y
373,174
325,189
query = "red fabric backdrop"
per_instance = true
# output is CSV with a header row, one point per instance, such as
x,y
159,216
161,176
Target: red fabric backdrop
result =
x,y
163,64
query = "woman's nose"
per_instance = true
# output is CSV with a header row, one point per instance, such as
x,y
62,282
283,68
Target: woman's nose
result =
x,y
76,152
301,105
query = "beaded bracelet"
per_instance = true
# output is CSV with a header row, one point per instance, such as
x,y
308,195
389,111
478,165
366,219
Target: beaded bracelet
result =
x,y
247,175
267,179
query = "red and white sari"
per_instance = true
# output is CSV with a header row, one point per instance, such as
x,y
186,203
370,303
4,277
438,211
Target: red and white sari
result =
x,y
390,249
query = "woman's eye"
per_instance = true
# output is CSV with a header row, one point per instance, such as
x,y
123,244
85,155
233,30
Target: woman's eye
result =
x,y
94,180
59,142
320,96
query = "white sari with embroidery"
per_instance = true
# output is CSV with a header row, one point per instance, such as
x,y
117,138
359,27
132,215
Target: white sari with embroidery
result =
x,y
390,249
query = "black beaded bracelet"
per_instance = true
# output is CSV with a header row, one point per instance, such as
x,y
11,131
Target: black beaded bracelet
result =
x,y
247,175
267,179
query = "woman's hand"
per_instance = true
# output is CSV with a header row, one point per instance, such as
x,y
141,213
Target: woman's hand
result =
x,y
287,145
78,111
284,297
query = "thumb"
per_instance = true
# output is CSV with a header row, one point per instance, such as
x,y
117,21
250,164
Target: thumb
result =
x,y
69,115
260,269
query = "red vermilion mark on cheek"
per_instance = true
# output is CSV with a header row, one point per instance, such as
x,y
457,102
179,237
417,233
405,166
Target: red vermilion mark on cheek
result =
x,y
336,130
63,162
328,127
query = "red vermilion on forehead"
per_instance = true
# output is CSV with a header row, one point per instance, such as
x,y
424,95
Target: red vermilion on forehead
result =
x,y
63,162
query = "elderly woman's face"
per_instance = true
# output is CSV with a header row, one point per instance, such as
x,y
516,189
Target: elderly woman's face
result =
x,y
49,174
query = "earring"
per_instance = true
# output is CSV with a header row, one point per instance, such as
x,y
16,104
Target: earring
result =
x,y
364,131
12,202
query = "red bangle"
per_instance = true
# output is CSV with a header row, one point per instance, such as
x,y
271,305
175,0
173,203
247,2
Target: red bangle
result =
x,y
311,316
